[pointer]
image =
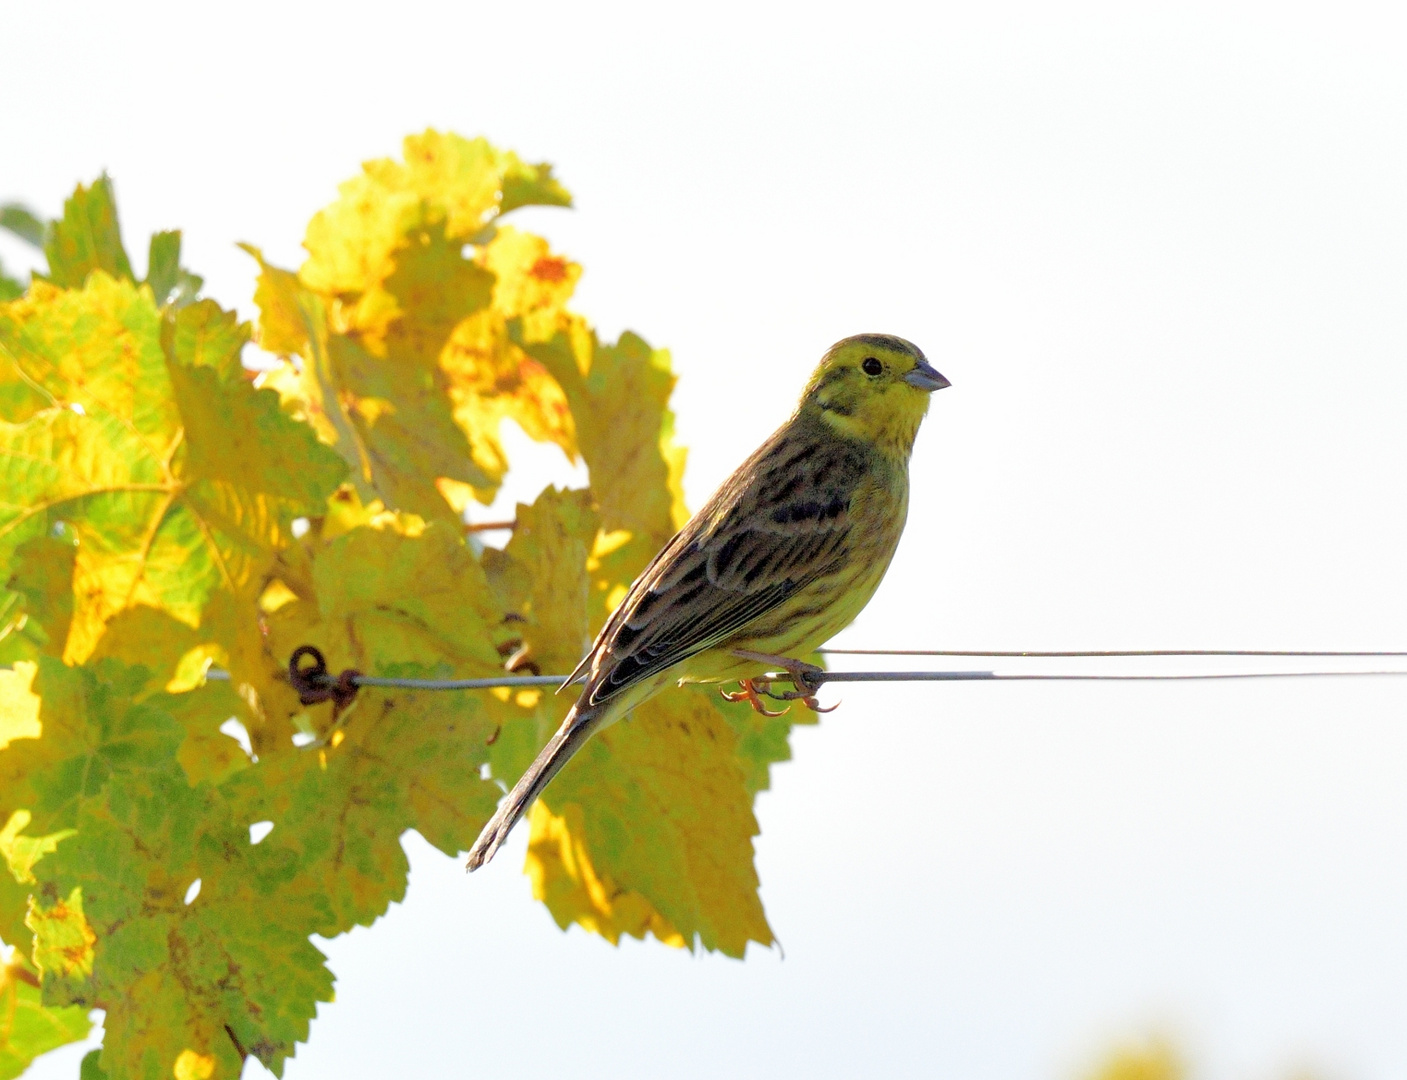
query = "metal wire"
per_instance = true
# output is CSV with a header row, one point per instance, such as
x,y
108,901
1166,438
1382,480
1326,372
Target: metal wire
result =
x,y
870,676
1098,652
459,684
992,676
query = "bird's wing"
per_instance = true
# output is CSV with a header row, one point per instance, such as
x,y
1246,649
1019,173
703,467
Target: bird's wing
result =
x,y
780,522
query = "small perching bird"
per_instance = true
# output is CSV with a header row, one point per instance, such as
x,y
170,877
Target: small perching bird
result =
x,y
783,557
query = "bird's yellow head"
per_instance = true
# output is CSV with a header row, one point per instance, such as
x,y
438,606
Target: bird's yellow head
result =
x,y
873,387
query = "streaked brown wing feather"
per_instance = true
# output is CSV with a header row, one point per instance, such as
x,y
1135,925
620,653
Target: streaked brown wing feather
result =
x,y
781,521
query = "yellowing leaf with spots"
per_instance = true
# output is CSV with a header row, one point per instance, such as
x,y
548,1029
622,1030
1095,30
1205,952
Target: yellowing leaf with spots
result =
x,y
650,828
63,940
404,362
222,970
619,395
87,237
175,484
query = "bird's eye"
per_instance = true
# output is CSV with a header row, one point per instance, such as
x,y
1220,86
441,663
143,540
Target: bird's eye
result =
x,y
871,367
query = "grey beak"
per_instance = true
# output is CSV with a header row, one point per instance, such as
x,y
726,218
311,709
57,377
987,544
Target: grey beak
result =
x,y
924,377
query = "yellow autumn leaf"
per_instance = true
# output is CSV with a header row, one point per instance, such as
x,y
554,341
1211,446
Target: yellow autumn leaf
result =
x,y
406,365
374,389
41,577
650,827
19,705
460,183
22,852
531,284
619,395
174,483
63,940
191,1065
281,328
491,379
552,541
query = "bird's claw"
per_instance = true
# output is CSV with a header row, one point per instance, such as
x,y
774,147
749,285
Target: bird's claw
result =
x,y
764,687
747,691
801,675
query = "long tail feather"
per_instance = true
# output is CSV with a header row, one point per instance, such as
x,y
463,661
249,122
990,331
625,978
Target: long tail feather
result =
x,y
575,730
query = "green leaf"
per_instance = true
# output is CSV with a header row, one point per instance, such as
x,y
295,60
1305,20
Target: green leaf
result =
x,y
41,573
90,1068
531,185
27,1027
87,237
110,916
407,761
95,723
24,223
10,289
231,972
202,334
171,284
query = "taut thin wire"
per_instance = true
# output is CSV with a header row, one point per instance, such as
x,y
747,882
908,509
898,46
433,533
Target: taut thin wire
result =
x,y
220,675
1098,652
992,676
854,677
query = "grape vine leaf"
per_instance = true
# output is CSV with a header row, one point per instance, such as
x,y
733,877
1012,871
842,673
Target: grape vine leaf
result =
x,y
395,327
10,288
161,509
27,1027
87,237
172,285
175,483
24,223
650,828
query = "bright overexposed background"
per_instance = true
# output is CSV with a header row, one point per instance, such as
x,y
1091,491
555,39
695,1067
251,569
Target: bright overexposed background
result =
x,y
1160,251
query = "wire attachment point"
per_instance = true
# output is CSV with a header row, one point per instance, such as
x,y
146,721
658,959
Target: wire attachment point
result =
x,y
314,684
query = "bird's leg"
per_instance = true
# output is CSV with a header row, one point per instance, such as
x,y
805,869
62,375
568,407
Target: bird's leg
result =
x,y
748,692
803,679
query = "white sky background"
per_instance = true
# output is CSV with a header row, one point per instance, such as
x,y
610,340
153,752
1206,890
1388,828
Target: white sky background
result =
x,y
1162,256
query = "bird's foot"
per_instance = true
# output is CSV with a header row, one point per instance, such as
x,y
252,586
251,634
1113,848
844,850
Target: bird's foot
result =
x,y
747,691
803,677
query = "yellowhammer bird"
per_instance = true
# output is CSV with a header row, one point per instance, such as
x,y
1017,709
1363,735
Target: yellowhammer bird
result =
x,y
784,556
